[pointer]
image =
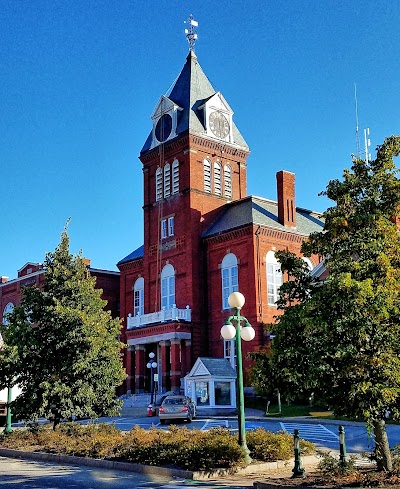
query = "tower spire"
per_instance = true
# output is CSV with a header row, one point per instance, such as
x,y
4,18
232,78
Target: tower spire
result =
x,y
191,34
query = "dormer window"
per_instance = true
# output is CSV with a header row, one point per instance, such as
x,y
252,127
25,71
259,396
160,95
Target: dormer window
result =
x,y
218,118
165,120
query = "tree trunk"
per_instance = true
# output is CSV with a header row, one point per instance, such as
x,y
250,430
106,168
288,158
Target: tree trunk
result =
x,y
382,450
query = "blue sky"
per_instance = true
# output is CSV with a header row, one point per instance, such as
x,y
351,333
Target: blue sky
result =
x,y
79,81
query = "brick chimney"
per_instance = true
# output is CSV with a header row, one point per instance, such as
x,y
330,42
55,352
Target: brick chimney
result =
x,y
86,262
286,198
3,279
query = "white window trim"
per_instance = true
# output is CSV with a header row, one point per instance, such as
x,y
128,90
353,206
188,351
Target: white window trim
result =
x,y
175,177
138,293
227,181
207,176
168,286
229,265
217,178
164,229
159,184
230,352
274,279
167,180
171,226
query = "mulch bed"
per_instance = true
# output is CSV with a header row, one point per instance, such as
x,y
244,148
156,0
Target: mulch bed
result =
x,y
360,478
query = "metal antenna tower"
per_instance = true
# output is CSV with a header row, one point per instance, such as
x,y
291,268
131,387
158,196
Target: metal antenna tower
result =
x,y
367,141
191,34
357,136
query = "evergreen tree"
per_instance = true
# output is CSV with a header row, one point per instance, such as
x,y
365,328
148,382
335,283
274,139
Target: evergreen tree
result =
x,y
340,338
61,347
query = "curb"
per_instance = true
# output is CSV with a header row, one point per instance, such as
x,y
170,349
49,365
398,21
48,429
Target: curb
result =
x,y
152,469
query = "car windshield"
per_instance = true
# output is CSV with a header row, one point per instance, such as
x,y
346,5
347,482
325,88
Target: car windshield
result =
x,y
174,401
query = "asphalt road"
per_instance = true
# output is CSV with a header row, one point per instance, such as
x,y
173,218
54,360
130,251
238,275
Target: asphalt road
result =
x,y
24,474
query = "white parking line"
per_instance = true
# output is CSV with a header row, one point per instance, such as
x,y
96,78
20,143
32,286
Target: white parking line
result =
x,y
311,432
209,424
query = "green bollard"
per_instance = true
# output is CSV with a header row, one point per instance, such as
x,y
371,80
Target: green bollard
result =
x,y
342,447
8,428
298,470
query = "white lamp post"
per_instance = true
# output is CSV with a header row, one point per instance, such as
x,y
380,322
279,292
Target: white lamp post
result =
x,y
152,365
238,327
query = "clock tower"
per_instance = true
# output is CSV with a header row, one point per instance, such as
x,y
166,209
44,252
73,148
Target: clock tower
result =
x,y
194,163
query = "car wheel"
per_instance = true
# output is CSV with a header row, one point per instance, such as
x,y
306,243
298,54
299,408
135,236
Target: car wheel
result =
x,y
162,421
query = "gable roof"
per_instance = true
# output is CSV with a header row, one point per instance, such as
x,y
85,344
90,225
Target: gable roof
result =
x,y
263,212
214,367
190,90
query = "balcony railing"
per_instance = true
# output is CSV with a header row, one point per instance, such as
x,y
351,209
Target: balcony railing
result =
x,y
170,314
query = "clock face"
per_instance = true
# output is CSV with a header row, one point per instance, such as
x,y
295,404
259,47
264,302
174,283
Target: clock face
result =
x,y
9,308
219,124
163,128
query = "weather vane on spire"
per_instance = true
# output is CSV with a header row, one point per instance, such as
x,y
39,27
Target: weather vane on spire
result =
x,y
191,34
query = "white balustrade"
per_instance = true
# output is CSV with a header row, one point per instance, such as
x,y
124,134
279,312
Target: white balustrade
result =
x,y
166,314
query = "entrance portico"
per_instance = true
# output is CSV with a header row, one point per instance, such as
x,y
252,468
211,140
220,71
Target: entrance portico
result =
x,y
172,351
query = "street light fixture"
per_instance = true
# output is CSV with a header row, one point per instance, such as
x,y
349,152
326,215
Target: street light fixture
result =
x,y
238,327
152,365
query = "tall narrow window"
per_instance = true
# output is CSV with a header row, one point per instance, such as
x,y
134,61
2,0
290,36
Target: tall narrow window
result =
x,y
217,179
164,231
175,177
168,287
207,175
229,277
227,181
138,297
167,180
274,278
230,351
171,226
159,184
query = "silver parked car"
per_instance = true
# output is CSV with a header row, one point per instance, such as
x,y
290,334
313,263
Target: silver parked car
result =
x,y
177,407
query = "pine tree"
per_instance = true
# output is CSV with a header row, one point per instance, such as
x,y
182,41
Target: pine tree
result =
x,y
61,346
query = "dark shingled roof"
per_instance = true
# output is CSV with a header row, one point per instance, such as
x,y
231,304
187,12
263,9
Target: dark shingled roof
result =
x,y
191,89
218,367
263,212
138,253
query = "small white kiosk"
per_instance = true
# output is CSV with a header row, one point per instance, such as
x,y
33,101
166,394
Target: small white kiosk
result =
x,y
212,385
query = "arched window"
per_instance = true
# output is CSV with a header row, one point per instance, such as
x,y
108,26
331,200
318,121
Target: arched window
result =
x,y
227,181
274,278
217,179
168,287
309,263
175,177
207,175
138,297
167,180
229,277
7,310
159,193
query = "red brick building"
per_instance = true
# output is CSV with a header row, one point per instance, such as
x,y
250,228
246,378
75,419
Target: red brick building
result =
x,y
32,274
203,237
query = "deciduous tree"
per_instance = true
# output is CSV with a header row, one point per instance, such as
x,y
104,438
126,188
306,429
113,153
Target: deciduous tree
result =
x,y
340,338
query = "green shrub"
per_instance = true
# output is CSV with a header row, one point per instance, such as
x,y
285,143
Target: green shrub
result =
x,y
180,447
194,450
268,447
331,466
